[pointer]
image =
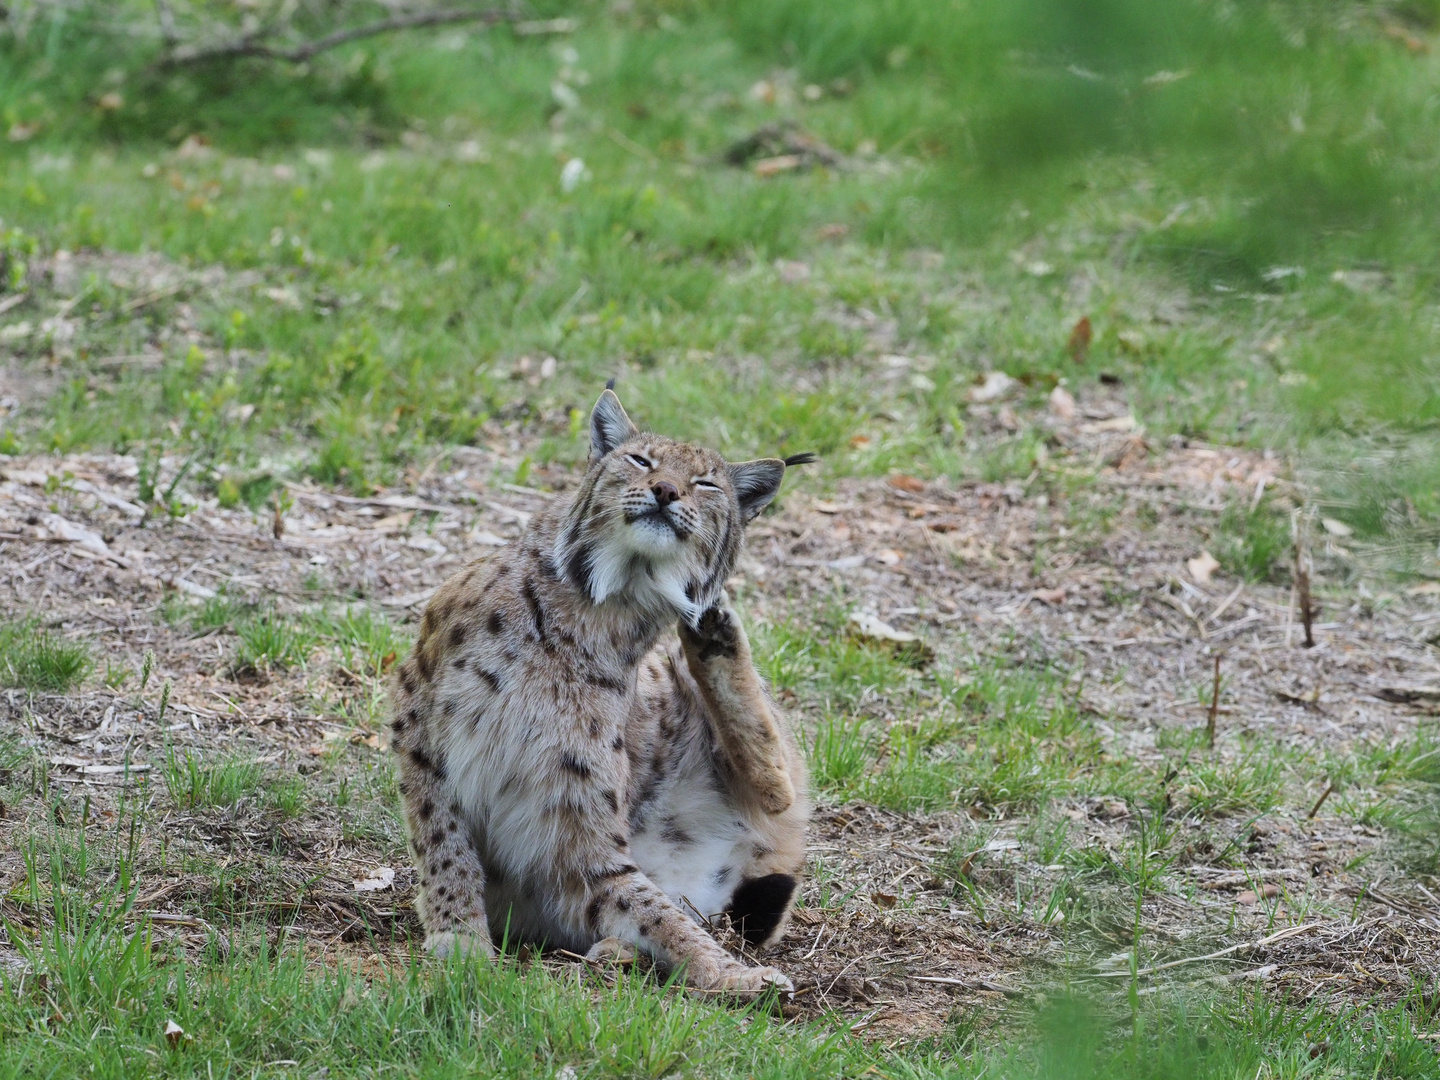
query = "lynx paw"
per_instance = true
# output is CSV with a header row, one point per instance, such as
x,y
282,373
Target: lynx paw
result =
x,y
745,981
446,943
611,950
716,634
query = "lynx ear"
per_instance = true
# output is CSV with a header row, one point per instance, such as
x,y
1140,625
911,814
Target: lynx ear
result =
x,y
609,426
756,483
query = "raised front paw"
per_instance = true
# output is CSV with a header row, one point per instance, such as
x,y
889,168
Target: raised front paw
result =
x,y
447,943
717,633
742,981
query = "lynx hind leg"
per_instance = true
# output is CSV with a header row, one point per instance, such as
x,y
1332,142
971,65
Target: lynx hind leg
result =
x,y
759,750
451,897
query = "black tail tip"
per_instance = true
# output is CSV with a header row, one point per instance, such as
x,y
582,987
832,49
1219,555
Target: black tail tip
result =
x,y
609,384
807,458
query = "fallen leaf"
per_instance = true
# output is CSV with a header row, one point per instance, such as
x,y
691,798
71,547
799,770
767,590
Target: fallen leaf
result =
x,y
1080,337
174,1033
1249,896
774,166
907,483
387,661
1062,405
1430,588
382,877
827,507
994,386
62,529
1131,341
884,899
1201,567
832,232
1115,423
1308,698
1053,597
859,442
1336,528
889,557
872,630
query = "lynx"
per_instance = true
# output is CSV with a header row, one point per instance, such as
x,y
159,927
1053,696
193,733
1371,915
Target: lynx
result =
x,y
570,778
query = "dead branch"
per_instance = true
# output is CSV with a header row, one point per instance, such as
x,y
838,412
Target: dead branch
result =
x,y
255,43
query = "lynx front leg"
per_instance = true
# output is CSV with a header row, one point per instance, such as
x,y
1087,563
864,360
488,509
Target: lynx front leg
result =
x,y
629,907
718,655
452,882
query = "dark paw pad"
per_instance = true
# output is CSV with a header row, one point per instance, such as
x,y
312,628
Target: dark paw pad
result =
x,y
717,634
759,904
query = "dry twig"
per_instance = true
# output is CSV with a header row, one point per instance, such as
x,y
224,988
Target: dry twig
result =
x,y
1281,935
256,42
1214,707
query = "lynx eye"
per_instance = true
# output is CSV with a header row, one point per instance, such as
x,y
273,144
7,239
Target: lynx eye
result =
x,y
638,461
710,484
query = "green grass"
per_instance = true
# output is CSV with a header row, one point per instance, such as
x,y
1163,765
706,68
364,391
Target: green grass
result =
x,y
1254,544
250,1010
991,735
270,640
396,211
37,659
412,278
194,782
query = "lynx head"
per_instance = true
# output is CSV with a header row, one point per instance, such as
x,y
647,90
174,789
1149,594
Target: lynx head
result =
x,y
658,523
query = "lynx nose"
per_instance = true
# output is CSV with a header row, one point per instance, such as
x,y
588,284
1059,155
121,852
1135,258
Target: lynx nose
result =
x,y
665,493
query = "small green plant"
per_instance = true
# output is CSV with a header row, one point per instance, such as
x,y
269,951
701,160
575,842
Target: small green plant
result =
x,y
272,641
193,782
839,753
220,612
1252,543
116,676
368,644
287,795
37,659
147,668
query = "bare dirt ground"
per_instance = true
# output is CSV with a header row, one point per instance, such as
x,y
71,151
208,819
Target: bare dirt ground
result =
x,y
885,937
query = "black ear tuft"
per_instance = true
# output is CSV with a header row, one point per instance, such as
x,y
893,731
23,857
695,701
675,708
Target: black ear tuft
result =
x,y
809,457
610,384
609,426
756,483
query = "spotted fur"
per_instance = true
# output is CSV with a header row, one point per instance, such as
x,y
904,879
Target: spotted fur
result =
x,y
572,772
